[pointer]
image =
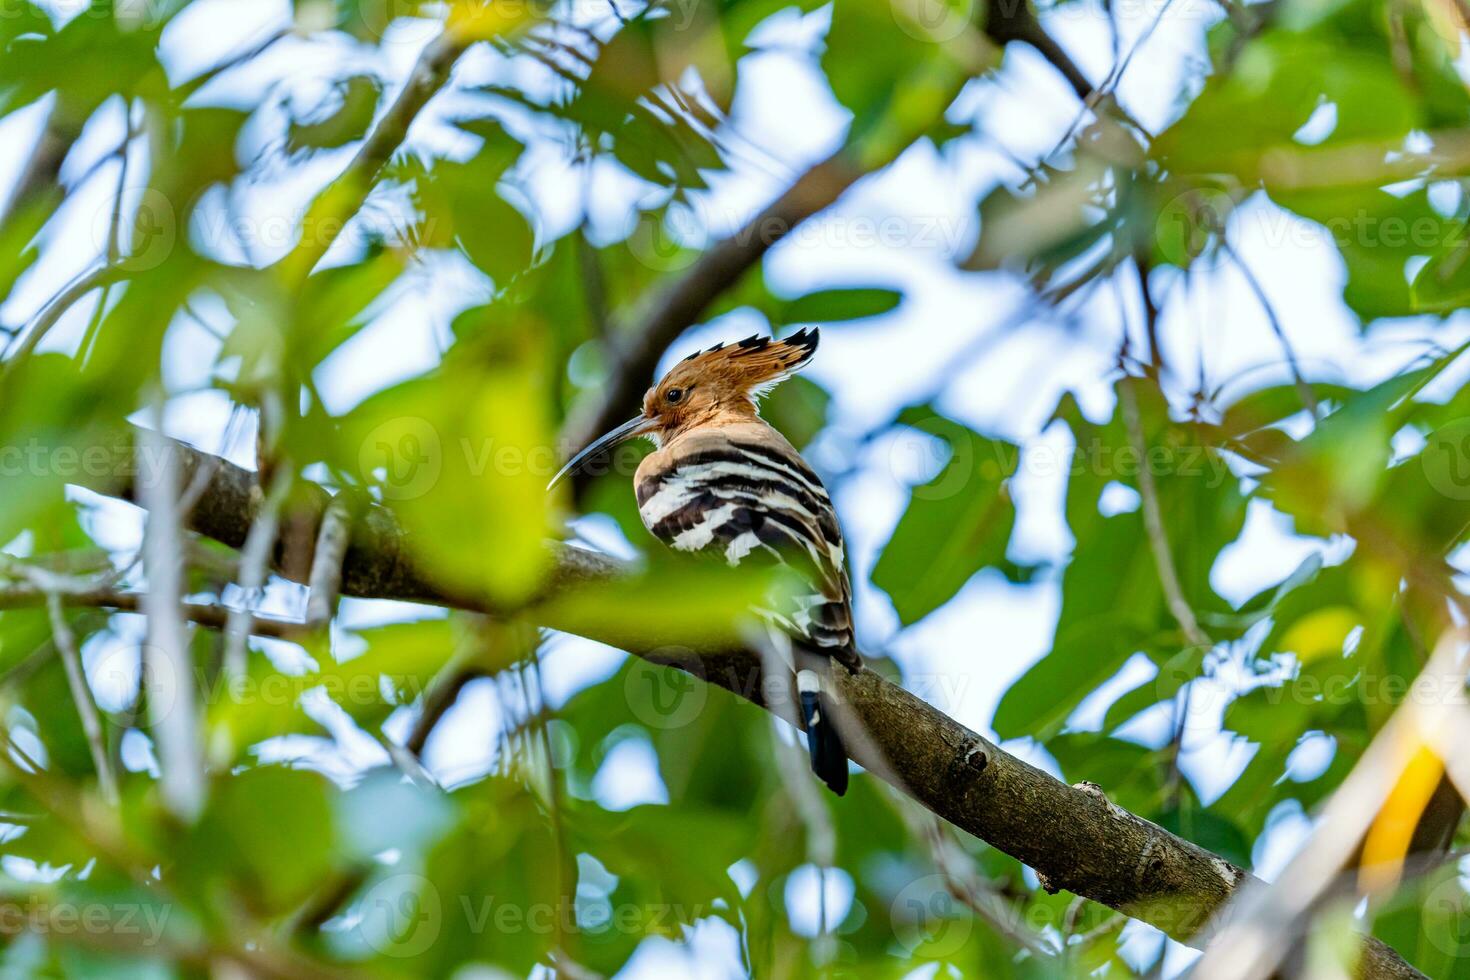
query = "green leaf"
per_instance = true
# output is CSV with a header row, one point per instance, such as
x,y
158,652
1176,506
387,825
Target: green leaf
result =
x,y
833,305
1038,231
956,523
1080,660
238,843
357,103
678,601
1378,234
873,48
403,656
1275,84
463,455
1336,471
798,408
460,204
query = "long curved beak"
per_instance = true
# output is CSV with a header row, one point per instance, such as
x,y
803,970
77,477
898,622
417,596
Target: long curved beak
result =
x,y
636,426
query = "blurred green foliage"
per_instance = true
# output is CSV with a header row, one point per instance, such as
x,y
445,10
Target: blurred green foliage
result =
x,y
289,872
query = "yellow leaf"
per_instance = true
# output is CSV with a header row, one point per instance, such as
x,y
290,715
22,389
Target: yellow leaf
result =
x,y
1321,633
1388,839
1448,21
484,20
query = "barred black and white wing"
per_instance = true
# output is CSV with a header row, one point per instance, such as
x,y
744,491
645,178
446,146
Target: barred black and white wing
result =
x,y
742,493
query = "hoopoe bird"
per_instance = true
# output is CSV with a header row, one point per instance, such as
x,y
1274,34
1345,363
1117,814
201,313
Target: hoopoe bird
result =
x,y
722,481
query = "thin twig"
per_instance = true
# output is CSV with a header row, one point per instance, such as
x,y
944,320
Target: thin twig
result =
x,y
171,700
964,884
325,582
436,703
404,761
1092,99
1309,397
1158,540
201,614
44,167
540,723
1153,523
345,196
114,237
71,660
1150,316
235,60
94,278
255,560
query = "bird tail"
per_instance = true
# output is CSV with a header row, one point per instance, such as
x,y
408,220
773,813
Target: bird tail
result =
x,y
814,687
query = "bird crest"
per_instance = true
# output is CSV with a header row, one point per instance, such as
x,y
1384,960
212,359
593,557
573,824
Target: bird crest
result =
x,y
730,377
717,386
754,364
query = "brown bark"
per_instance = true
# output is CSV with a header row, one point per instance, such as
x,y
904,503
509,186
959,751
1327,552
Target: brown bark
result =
x,y
1073,836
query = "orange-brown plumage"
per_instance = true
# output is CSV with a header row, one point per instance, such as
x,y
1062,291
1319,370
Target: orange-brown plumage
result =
x,y
723,385
724,482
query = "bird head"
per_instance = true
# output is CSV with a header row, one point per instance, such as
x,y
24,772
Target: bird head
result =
x,y
724,382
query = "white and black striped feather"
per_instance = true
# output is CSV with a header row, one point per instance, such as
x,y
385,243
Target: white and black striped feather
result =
x,y
756,499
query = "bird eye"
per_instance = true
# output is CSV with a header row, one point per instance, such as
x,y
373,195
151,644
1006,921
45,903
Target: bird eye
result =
x,y
674,395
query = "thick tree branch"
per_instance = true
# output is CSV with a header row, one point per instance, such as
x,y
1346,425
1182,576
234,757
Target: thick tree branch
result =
x,y
1073,836
1013,20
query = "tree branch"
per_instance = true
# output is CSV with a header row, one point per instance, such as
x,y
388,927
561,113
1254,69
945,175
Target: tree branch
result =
x,y
76,679
254,559
43,170
679,306
98,277
167,662
1153,522
1013,20
1073,836
436,703
325,584
635,353
211,616
345,196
